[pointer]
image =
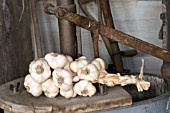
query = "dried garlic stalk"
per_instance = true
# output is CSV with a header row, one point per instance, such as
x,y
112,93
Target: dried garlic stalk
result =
x,y
116,79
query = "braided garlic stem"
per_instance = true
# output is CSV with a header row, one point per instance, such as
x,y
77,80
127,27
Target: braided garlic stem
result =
x,y
116,79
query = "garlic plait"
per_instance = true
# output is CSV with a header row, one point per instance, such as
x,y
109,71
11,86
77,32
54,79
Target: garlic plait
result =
x,y
78,64
89,72
56,60
32,87
84,88
49,88
68,94
39,70
62,79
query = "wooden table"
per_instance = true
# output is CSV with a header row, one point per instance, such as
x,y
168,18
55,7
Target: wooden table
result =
x,y
25,102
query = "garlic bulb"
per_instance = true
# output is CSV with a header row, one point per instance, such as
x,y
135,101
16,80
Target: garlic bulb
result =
x,y
56,60
78,64
100,64
49,88
69,58
68,94
67,67
84,88
62,79
76,79
32,87
89,72
39,70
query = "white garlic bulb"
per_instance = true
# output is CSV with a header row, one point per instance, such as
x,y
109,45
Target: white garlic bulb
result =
x,y
39,70
56,60
84,88
32,87
62,79
89,72
100,64
68,94
76,79
49,88
78,64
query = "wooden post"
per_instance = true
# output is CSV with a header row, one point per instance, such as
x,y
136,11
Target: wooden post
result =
x,y
15,42
36,37
165,69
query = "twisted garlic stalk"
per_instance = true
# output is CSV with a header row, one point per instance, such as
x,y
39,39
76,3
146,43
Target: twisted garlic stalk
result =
x,y
116,79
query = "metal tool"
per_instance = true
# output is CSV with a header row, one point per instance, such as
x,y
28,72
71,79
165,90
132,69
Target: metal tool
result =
x,y
113,34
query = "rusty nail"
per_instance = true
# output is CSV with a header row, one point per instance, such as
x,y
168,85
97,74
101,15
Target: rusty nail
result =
x,y
61,12
102,89
15,89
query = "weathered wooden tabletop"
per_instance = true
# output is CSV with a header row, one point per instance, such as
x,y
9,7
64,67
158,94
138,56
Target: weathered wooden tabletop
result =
x,y
25,102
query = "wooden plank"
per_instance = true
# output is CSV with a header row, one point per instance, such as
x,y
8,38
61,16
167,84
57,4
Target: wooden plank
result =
x,y
36,37
15,44
25,102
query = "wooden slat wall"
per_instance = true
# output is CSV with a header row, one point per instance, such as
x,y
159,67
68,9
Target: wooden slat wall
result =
x,y
15,45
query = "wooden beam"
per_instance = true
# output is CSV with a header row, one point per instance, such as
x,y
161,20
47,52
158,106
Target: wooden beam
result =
x,y
36,36
15,42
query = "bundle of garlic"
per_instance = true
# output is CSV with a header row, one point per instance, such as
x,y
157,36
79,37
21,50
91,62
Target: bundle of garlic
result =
x,y
39,80
59,74
116,79
51,76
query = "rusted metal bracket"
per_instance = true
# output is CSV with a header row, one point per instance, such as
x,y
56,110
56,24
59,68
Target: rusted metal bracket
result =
x,y
110,33
15,88
94,34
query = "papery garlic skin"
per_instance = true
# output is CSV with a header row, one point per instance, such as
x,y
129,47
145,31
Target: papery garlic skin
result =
x,y
89,72
78,64
62,79
49,88
39,70
100,64
56,60
84,88
76,79
97,64
69,58
32,87
67,66
68,94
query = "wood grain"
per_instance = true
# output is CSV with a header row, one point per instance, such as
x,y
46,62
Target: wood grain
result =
x,y
15,45
25,102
